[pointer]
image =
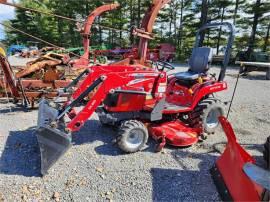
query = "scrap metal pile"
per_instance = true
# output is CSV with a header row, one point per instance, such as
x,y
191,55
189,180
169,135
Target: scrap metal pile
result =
x,y
49,72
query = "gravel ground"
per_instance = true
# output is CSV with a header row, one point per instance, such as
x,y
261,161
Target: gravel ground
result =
x,y
96,170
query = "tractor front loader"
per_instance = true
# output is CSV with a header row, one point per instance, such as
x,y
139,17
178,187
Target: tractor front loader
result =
x,y
54,135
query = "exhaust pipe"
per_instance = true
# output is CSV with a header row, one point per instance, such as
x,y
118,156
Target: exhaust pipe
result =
x,y
53,142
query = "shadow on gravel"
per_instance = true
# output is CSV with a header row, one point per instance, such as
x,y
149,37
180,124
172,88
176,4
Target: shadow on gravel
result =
x,y
93,131
256,75
177,185
189,183
260,77
193,181
263,120
13,109
21,154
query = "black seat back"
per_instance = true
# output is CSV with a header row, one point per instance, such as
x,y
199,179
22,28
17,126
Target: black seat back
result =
x,y
200,59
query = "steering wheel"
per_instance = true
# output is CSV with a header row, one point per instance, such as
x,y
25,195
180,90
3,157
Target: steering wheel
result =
x,y
161,65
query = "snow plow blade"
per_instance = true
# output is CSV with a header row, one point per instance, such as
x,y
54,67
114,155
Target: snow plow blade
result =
x,y
232,183
53,142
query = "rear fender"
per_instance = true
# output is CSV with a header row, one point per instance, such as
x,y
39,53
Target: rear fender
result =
x,y
207,89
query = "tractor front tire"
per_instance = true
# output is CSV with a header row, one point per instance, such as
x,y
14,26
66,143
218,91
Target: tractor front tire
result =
x,y
211,109
133,135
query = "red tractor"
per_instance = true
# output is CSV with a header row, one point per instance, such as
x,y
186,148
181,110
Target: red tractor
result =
x,y
139,100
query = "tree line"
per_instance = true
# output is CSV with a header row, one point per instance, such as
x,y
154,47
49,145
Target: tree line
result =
x,y
177,23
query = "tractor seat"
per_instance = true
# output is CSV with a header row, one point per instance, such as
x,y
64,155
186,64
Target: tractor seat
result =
x,y
187,75
198,64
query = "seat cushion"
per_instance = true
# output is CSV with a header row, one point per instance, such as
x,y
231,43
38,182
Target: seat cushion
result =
x,y
200,59
187,75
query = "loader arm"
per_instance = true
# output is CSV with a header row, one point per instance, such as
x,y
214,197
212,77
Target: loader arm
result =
x,y
96,71
103,85
107,83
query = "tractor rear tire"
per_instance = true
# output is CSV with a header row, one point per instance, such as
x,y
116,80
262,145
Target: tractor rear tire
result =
x,y
133,135
266,152
211,108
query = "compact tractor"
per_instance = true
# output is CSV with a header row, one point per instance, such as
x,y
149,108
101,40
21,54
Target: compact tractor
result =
x,y
138,98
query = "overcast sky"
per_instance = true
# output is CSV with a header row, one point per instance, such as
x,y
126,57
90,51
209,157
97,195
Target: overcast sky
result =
x,y
6,13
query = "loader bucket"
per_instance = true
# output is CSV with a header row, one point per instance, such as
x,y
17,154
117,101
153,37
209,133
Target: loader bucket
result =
x,y
53,142
229,177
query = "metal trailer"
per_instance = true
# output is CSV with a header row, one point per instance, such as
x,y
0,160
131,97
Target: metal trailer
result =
x,y
255,66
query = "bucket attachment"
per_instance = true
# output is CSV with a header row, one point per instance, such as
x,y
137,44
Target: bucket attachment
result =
x,y
53,142
228,173
46,114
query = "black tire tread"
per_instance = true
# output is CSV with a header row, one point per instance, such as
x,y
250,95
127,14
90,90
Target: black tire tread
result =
x,y
124,129
203,106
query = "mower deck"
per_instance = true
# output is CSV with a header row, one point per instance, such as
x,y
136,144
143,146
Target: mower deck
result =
x,y
174,133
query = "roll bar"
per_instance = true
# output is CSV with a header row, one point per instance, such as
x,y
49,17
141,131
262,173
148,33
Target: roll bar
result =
x,y
229,44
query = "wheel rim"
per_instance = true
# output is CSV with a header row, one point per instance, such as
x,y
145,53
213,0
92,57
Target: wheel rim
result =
x,y
212,118
135,138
